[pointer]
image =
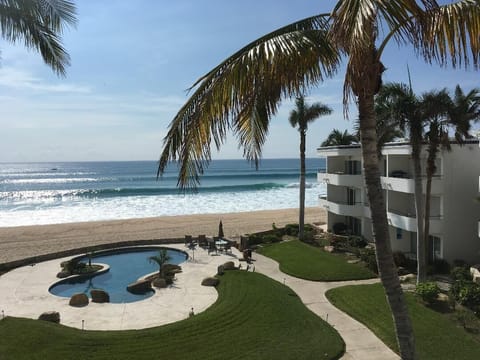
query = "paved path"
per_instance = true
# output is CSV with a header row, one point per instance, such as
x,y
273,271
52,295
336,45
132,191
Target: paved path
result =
x,y
360,342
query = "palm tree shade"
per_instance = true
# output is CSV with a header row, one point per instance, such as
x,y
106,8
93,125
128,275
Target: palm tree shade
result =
x,y
161,259
39,25
300,117
244,91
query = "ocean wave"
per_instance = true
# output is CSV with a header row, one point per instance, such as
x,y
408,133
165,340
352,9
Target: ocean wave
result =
x,y
51,180
41,195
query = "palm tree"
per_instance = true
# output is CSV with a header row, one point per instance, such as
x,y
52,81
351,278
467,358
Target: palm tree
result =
x,y
301,116
397,102
336,137
39,25
243,92
161,259
445,114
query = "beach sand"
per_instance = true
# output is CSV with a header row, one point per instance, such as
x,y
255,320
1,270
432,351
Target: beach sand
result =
x,y
26,241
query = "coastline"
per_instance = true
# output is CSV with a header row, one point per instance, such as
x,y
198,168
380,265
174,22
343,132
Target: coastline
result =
x,y
27,241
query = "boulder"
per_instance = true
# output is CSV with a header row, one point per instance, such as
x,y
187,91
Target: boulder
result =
x,y
79,300
229,265
329,248
159,283
63,274
220,270
475,274
171,269
210,281
140,287
99,296
52,316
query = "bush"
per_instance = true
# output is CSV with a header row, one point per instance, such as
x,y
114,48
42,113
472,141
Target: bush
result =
x,y
291,229
469,295
271,238
368,256
254,239
460,273
339,228
441,266
357,241
427,291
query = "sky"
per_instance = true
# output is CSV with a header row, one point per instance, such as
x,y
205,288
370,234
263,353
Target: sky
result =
x,y
131,63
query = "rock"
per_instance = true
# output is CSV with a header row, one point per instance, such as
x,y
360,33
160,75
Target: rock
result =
x,y
159,283
407,277
210,281
63,274
52,316
329,248
99,296
229,265
171,269
140,287
79,300
475,274
220,270
354,261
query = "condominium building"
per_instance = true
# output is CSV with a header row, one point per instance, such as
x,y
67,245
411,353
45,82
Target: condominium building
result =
x,y
455,211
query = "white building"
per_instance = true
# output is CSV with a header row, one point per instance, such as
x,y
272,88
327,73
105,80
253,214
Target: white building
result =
x,y
455,211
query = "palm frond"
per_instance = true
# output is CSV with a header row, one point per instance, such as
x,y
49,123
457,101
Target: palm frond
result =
x,y
244,91
452,34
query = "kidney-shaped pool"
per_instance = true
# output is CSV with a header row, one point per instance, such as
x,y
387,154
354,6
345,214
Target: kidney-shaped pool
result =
x,y
127,265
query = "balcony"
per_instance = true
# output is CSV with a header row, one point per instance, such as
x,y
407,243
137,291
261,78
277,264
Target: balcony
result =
x,y
341,208
341,179
409,222
407,185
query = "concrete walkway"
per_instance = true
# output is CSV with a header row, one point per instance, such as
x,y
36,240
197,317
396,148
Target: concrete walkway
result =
x,y
361,343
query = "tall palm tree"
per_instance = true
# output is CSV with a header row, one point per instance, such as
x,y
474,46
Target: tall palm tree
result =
x,y
39,25
300,117
397,102
243,92
336,137
446,114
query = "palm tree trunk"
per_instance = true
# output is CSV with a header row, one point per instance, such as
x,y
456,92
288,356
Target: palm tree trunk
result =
x,y
386,266
417,179
301,217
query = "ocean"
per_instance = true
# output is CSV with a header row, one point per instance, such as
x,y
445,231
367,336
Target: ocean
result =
x,y
62,192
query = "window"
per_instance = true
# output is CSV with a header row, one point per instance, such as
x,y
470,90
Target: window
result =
x,y
350,196
353,167
436,247
354,225
399,234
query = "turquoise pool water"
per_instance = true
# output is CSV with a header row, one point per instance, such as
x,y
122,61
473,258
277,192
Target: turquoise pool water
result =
x,y
126,266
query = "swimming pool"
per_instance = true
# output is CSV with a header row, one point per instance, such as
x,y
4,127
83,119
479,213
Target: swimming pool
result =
x,y
127,265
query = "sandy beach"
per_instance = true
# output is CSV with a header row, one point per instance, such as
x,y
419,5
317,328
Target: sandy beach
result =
x,y
26,241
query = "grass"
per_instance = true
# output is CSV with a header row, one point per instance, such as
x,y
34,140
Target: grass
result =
x,y
254,317
436,335
312,263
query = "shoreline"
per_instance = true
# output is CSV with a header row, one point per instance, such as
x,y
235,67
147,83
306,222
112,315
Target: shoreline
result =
x,y
22,242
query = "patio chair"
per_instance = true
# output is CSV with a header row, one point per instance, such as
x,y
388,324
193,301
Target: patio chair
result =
x,y
202,241
212,247
188,240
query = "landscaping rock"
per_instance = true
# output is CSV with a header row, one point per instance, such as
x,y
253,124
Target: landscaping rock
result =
x,y
210,281
79,300
63,274
171,269
140,287
407,277
52,316
229,265
99,296
220,270
353,261
475,274
159,283
329,248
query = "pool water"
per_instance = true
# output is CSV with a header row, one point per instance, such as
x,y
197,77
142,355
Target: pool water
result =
x,y
126,267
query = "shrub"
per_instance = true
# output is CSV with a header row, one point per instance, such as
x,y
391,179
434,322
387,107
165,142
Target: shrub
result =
x,y
441,266
427,291
357,241
469,295
291,229
271,238
460,273
368,256
254,239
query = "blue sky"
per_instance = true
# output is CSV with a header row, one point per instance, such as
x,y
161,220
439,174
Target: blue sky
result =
x,y
131,64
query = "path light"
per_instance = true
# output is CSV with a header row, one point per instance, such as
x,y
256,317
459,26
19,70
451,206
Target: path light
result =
x,y
283,281
327,319
83,324
191,313
3,315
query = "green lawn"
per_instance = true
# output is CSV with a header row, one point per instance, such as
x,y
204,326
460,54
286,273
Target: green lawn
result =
x,y
436,336
312,263
253,318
